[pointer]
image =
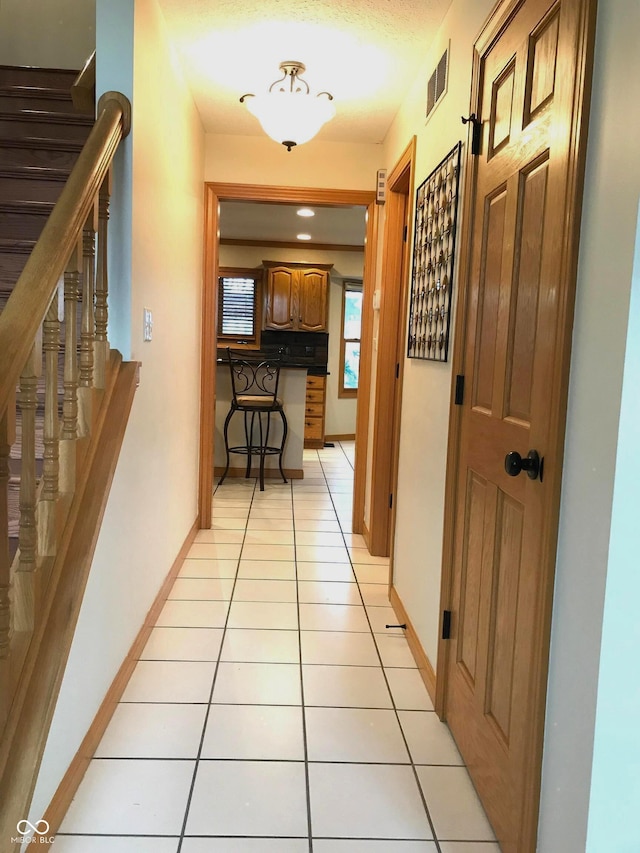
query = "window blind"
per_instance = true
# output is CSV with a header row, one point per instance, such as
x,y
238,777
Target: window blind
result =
x,y
236,306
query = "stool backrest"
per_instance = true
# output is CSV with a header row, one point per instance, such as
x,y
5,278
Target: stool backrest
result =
x,y
253,375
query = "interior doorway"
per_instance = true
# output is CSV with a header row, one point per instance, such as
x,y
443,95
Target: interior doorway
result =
x,y
215,194
391,348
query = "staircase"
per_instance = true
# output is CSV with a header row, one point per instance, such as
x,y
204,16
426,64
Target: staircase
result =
x,y
53,338
41,136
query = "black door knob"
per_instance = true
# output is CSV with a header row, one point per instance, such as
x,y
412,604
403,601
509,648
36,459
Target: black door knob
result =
x,y
532,464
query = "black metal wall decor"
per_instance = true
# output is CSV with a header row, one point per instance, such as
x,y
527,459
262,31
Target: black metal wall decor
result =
x,y
433,254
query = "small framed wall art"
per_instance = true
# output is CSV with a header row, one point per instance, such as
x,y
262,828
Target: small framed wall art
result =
x,y
433,256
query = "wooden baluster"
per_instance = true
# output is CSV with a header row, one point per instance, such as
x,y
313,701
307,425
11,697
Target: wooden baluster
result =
x,y
51,464
101,346
25,579
7,437
87,335
70,399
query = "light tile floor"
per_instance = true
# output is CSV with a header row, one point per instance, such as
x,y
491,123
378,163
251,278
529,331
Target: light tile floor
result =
x,y
272,711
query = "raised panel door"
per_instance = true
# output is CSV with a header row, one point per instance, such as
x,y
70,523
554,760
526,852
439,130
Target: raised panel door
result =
x,y
517,327
279,300
312,292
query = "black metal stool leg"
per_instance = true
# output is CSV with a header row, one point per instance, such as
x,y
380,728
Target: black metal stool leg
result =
x,y
285,429
248,440
226,444
264,441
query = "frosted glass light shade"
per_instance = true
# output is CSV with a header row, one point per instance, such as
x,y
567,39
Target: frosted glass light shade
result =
x,y
291,117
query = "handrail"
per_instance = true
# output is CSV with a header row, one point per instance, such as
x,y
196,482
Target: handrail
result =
x,y
30,299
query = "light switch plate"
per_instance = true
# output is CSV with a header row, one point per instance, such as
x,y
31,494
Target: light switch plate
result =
x,y
147,332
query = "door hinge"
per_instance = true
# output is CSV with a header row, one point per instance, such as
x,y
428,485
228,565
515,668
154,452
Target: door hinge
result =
x,y
391,501
446,624
476,133
398,371
405,232
459,392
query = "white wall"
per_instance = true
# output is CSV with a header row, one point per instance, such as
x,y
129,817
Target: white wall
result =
x,y
615,780
426,387
114,72
50,34
340,413
152,504
595,549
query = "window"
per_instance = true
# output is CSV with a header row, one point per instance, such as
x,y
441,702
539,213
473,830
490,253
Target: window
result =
x,y
238,301
350,351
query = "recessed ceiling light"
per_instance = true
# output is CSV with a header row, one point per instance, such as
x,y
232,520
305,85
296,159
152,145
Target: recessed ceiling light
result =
x,y
306,211
303,236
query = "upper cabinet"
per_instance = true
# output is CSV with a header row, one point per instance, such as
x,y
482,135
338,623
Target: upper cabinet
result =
x,y
296,296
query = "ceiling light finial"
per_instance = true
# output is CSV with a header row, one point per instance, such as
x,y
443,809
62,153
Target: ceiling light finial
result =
x,y
288,112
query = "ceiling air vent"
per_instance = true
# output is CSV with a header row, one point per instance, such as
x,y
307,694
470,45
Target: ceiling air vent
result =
x,y
437,85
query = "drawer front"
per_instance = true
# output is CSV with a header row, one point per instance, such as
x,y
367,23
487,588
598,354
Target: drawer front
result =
x,y
314,410
315,395
316,382
313,428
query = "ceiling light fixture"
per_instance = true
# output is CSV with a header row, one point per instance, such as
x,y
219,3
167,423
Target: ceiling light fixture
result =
x,y
288,112
303,236
306,211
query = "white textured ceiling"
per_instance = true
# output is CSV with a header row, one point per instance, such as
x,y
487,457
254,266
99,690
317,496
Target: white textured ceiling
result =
x,y
365,52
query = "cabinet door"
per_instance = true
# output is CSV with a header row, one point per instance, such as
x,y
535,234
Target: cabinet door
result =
x,y
279,311
313,291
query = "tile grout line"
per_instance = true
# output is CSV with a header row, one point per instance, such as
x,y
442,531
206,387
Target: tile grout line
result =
x,y
213,684
384,675
303,707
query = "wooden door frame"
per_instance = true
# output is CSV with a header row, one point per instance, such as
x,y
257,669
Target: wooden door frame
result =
x,y
576,157
396,257
216,192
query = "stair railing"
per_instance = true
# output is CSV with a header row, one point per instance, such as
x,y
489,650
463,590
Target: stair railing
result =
x,y
62,289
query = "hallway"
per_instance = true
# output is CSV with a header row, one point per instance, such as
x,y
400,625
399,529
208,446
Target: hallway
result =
x,y
272,711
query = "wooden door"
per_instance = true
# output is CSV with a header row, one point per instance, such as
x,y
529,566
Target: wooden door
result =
x,y
515,343
313,288
279,299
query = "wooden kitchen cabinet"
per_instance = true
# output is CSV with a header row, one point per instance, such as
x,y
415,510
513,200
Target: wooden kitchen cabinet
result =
x,y
296,297
314,411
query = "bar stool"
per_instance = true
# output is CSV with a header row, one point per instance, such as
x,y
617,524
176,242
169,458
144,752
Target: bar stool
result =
x,y
254,389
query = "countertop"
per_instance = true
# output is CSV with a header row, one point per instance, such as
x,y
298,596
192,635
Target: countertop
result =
x,y
312,369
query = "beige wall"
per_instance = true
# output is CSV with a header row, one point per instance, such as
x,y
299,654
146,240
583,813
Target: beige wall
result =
x,y
340,413
152,504
260,160
426,389
50,34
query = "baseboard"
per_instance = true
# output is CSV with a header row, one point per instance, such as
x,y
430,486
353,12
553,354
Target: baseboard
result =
x,y
420,656
269,473
67,788
351,436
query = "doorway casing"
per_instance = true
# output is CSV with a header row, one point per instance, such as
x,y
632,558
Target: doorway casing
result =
x,y
214,194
